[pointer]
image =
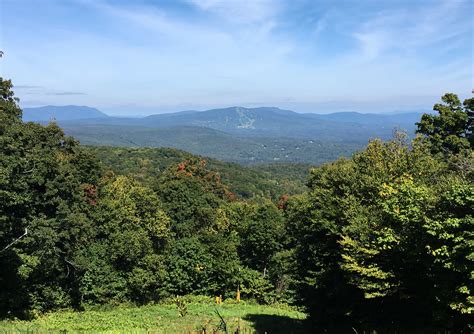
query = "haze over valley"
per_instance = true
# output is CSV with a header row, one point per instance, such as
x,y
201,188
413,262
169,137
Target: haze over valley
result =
x,y
237,134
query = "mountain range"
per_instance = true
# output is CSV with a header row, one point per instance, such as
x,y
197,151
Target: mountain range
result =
x,y
61,113
244,135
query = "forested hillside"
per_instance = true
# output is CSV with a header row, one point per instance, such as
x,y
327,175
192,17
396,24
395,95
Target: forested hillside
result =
x,y
382,240
147,164
216,144
247,122
236,134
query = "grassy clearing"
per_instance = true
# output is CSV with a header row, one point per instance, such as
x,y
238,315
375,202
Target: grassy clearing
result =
x,y
201,317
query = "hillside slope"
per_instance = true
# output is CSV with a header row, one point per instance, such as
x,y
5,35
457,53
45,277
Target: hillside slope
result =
x,y
146,164
215,144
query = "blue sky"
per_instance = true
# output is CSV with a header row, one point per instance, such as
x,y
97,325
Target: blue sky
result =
x,y
142,57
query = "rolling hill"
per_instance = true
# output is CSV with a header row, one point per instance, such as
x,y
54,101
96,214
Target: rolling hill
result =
x,y
146,165
237,134
275,122
247,122
215,144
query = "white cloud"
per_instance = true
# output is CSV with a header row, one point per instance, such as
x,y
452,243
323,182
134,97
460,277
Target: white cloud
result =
x,y
228,52
372,44
408,30
246,11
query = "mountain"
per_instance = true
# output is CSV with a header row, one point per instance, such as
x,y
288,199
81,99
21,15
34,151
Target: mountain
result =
x,y
229,119
237,134
263,122
61,113
275,122
270,122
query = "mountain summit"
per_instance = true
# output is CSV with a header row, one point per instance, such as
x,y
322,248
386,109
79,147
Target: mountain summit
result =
x,y
61,113
228,119
270,122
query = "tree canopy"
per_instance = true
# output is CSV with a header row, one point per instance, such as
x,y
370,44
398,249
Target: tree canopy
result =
x,y
379,239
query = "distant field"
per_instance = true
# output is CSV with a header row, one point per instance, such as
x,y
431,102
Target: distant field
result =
x,y
201,317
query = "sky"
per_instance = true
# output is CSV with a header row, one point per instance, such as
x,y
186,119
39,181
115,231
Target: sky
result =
x,y
145,57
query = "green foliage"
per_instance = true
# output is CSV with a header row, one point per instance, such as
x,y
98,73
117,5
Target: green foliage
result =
x,y
132,232
261,229
147,164
451,130
253,285
189,267
44,211
9,110
385,237
451,244
389,229
191,194
181,306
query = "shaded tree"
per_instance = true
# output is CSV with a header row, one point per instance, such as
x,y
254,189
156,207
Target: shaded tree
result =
x,y
42,182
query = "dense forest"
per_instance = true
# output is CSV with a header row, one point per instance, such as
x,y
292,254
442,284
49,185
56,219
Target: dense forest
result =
x,y
146,164
244,135
216,144
384,238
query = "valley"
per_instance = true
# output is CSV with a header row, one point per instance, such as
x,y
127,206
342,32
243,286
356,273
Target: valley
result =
x,y
243,135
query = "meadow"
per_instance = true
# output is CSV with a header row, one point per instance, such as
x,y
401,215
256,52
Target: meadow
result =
x,y
195,315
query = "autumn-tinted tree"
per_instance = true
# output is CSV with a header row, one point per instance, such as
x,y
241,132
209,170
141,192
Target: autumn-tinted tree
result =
x,y
190,194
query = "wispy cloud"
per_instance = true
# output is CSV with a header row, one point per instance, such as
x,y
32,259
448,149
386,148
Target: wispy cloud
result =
x,y
410,30
41,90
66,93
175,54
216,47
157,20
321,24
27,87
253,11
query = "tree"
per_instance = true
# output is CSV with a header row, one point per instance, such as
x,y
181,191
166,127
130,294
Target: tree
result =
x,y
314,221
388,232
261,234
126,260
191,194
451,129
42,192
10,112
469,108
451,243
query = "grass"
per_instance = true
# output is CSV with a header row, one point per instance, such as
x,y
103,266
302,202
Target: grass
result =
x,y
201,317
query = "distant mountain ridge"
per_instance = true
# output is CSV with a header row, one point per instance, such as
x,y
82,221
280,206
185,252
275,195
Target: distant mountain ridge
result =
x,y
248,122
61,113
238,134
